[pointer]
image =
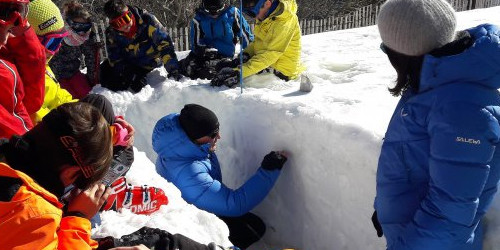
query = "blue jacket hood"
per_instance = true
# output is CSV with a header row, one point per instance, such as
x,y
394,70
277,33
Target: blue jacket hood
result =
x,y
479,64
171,142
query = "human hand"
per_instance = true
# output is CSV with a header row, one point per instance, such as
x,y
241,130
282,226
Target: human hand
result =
x,y
175,74
274,160
19,30
226,76
129,139
89,201
138,247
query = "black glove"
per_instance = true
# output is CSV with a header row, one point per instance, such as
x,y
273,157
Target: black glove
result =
x,y
273,160
226,76
175,74
246,57
376,224
138,83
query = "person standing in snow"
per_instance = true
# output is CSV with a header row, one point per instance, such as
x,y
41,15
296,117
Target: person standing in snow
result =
x,y
71,146
439,166
277,42
80,42
22,61
137,43
214,33
186,145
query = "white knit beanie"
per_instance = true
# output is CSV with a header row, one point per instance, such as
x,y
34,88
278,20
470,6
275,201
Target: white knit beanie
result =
x,y
415,27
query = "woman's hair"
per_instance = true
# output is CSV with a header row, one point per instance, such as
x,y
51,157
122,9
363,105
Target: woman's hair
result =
x,y
85,137
73,9
408,69
114,8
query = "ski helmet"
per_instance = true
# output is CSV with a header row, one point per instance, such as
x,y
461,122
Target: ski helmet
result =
x,y
213,7
252,7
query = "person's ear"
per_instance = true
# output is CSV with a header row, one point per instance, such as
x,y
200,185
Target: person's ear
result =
x,y
69,174
268,3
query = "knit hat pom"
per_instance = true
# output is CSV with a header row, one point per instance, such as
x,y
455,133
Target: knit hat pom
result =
x,y
416,27
45,17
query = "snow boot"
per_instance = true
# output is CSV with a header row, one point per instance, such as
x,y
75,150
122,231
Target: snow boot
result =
x,y
139,199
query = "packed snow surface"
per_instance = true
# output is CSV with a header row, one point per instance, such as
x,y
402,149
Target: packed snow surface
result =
x,y
324,196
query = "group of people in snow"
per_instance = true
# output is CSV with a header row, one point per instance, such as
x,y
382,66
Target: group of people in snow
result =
x,y
62,159
64,153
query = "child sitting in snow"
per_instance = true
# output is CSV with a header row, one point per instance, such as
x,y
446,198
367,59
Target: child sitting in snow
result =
x,y
214,33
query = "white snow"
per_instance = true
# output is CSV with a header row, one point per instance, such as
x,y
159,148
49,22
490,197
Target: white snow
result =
x,y
323,198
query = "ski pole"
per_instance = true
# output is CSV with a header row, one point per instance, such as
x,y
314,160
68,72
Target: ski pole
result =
x,y
241,46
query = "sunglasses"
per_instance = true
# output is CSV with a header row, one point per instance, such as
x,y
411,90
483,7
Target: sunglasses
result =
x,y
121,21
252,8
214,134
52,41
79,27
13,13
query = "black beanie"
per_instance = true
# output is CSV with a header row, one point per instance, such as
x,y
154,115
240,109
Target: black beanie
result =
x,y
102,104
198,121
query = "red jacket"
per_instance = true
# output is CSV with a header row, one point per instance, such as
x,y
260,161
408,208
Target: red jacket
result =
x,y
32,219
23,86
14,119
28,54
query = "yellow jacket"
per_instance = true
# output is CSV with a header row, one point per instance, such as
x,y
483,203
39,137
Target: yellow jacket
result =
x,y
277,42
32,219
54,96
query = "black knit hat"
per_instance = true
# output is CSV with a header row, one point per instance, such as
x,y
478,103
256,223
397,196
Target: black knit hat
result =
x,y
198,121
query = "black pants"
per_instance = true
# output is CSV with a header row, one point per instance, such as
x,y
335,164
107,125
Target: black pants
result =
x,y
244,230
131,76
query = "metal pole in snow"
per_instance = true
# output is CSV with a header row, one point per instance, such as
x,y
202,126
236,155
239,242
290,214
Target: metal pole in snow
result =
x,y
241,46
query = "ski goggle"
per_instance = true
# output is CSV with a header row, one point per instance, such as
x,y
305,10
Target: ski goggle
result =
x,y
212,10
252,7
13,13
52,41
79,27
121,21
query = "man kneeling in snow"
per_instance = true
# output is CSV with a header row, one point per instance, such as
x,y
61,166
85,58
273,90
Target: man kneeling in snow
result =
x,y
186,144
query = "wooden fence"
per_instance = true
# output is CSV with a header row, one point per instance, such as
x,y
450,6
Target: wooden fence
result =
x,y
362,17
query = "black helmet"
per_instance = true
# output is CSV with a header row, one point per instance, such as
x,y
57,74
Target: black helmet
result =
x,y
213,7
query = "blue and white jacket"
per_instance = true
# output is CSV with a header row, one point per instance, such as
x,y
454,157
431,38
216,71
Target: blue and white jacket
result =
x,y
196,172
439,167
221,32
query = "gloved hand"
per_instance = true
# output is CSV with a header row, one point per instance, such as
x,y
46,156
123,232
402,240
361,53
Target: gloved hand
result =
x,y
175,74
274,160
246,57
20,28
138,83
376,225
226,76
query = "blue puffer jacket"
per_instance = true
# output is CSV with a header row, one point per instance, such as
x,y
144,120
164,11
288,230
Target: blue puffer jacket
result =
x,y
197,174
439,166
149,48
221,32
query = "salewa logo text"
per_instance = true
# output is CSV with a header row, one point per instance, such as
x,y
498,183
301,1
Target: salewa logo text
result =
x,y
143,207
468,140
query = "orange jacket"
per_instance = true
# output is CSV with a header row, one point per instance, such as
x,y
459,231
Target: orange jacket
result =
x,y
33,219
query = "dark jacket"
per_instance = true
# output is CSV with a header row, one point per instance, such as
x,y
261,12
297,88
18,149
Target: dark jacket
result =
x,y
69,60
149,48
439,166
